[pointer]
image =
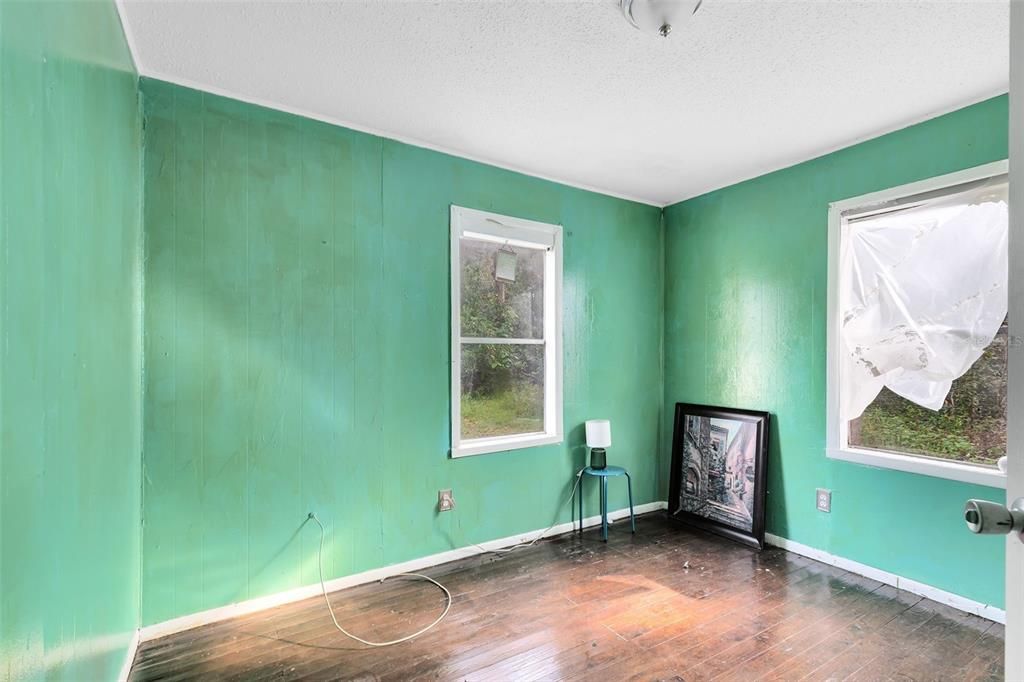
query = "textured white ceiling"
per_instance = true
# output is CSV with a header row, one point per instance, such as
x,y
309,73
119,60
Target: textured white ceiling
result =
x,y
568,90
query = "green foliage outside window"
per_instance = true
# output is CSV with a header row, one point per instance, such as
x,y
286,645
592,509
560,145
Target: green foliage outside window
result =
x,y
970,427
502,384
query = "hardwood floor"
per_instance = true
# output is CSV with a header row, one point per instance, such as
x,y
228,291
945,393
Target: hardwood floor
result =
x,y
577,608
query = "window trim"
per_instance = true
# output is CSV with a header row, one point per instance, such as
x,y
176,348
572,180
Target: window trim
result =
x,y
530,234
836,443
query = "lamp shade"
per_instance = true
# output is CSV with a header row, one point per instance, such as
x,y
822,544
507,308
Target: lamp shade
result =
x,y
599,433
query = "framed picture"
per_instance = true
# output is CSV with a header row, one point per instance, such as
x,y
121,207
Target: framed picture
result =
x,y
719,459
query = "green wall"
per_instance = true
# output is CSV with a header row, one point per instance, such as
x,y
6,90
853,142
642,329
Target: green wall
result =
x,y
296,348
70,358
297,352
745,302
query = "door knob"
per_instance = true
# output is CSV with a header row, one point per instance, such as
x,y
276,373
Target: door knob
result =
x,y
991,518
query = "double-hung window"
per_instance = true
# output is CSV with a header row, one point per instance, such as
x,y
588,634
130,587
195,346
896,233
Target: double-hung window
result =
x,y
506,286
917,335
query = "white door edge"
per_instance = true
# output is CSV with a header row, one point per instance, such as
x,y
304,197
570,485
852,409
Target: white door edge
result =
x,y
1015,391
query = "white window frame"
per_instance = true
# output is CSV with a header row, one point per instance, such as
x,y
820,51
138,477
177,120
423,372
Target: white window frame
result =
x,y
516,232
837,439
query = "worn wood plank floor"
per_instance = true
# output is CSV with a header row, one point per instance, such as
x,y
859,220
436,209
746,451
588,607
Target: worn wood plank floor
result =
x,y
577,608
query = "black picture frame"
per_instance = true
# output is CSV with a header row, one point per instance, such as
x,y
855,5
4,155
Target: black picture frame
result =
x,y
710,474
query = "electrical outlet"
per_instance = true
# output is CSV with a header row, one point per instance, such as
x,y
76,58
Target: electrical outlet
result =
x,y
824,500
445,500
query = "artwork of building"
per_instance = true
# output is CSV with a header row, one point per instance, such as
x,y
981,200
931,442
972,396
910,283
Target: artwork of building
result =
x,y
718,470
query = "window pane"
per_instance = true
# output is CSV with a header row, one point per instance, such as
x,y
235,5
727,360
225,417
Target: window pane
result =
x,y
502,290
502,389
970,427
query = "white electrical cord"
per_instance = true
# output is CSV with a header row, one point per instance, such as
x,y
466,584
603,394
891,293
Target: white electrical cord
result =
x,y
447,594
531,543
323,587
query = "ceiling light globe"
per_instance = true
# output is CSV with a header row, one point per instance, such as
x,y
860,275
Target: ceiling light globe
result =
x,y
658,17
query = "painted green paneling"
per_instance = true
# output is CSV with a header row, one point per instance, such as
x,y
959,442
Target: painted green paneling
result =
x,y
70,361
297,351
297,348
745,302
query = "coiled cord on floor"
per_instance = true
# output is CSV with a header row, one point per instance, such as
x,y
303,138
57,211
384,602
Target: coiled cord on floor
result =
x,y
447,594
323,588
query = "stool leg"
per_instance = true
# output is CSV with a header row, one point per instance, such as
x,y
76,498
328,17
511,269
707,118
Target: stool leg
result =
x,y
604,508
581,504
629,487
572,507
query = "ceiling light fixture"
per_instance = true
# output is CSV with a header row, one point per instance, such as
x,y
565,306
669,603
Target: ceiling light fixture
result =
x,y
658,16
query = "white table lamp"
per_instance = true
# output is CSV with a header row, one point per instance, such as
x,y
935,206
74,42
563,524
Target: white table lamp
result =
x,y
599,437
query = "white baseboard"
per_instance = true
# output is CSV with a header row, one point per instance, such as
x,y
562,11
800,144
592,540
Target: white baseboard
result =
x,y
193,620
897,581
129,657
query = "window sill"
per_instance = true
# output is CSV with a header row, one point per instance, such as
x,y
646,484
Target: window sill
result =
x,y
954,471
483,446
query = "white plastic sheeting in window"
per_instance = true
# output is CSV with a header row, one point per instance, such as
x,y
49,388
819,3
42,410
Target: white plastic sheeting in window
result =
x,y
922,293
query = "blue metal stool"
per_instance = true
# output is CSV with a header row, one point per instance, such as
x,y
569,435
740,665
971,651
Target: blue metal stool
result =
x,y
604,474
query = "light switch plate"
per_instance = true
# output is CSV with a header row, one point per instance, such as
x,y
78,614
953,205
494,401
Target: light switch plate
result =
x,y
824,500
445,500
